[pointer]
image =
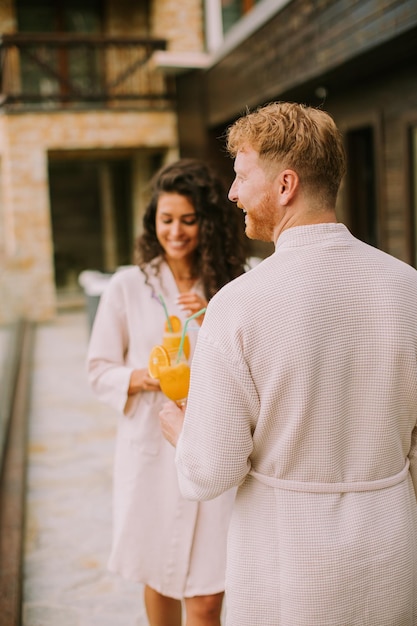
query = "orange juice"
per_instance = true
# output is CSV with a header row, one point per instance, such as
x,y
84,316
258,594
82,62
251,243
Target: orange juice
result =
x,y
175,380
171,343
172,372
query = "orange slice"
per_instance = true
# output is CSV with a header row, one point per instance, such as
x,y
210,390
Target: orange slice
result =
x,y
175,323
158,358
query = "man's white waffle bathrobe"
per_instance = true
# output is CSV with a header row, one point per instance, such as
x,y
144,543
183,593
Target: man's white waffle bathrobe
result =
x,y
304,393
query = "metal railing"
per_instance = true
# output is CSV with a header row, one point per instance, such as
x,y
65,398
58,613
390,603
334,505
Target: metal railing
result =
x,y
14,399
62,70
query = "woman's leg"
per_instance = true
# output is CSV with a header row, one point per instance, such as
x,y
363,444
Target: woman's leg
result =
x,y
204,610
162,610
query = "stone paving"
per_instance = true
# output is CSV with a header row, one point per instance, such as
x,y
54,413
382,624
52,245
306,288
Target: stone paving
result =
x,y
68,518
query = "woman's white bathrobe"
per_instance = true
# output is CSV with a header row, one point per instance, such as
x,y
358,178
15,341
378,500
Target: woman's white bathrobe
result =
x,y
304,393
171,544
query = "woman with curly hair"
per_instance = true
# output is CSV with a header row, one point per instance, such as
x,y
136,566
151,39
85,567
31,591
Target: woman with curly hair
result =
x,y
190,247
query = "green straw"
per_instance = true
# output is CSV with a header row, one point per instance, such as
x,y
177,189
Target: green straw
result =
x,y
162,301
200,312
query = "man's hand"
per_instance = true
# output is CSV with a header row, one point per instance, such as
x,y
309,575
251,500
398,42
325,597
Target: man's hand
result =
x,y
171,418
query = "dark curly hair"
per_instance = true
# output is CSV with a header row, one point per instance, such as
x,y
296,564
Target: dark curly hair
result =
x,y
220,255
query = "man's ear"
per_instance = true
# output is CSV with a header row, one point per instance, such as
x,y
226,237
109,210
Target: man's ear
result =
x,y
288,185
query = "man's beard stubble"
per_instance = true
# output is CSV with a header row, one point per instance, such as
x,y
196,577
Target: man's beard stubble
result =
x,y
260,224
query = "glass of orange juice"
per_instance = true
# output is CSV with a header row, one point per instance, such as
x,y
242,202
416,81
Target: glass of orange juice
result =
x,y
175,380
171,339
168,366
173,374
169,362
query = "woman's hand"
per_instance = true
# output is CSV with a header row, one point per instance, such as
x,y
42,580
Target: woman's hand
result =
x,y
171,418
141,381
190,302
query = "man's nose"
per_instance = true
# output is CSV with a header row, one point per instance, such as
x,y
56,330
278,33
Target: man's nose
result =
x,y
232,195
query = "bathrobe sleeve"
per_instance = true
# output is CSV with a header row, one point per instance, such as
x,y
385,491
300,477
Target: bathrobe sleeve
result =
x,y
216,441
108,372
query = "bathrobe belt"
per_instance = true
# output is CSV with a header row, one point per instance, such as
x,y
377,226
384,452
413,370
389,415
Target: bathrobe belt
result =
x,y
361,485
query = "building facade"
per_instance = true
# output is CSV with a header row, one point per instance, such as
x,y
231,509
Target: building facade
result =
x,y
355,58
96,95
85,120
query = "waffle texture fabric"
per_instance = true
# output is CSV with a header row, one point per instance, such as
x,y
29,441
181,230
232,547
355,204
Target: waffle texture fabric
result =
x,y
304,395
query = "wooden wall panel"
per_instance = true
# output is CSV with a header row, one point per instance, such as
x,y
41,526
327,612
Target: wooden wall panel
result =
x,y
304,41
364,53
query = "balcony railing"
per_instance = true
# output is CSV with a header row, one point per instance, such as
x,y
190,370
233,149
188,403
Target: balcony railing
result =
x,y
57,70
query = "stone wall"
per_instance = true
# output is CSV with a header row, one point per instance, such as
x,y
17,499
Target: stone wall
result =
x,y
181,23
7,16
27,276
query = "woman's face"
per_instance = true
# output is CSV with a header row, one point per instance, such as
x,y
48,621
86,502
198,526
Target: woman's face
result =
x,y
176,226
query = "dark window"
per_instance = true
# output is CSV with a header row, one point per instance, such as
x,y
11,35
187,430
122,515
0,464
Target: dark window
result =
x,y
233,10
362,185
67,16
54,70
91,214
